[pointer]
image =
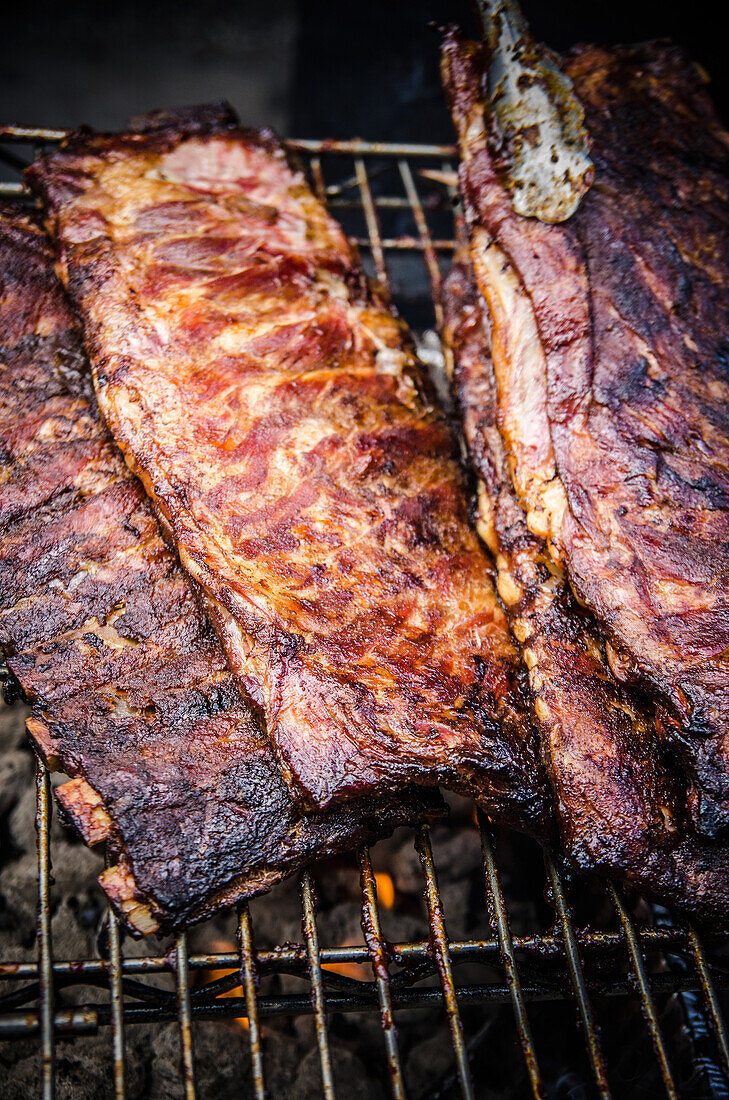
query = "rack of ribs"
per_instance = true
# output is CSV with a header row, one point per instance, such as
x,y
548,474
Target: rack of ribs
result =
x,y
270,401
619,805
131,693
610,358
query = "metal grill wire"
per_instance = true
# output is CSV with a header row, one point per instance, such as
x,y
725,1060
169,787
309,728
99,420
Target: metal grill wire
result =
x,y
353,190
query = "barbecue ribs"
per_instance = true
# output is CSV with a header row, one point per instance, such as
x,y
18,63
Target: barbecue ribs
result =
x,y
621,811
131,693
271,403
610,355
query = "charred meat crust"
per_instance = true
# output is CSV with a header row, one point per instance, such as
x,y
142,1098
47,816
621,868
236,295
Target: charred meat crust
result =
x,y
630,304
621,810
130,689
273,408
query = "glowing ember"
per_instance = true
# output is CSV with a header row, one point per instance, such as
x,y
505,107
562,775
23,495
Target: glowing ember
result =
x,y
225,947
385,889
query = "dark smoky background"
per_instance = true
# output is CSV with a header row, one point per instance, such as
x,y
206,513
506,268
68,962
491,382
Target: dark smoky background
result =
x,y
308,68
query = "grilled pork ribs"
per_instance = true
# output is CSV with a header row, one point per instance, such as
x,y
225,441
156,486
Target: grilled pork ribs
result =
x,y
619,802
270,401
610,358
131,693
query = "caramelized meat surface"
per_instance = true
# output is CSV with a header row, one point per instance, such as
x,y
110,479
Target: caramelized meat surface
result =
x,y
613,395
131,692
621,811
271,403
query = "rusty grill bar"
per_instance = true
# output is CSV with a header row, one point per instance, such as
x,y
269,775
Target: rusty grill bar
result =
x,y
412,184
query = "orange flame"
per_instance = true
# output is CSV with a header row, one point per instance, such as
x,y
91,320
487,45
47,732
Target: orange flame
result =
x,y
385,889
361,971
225,947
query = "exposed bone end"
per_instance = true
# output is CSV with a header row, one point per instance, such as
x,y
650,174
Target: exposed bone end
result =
x,y
485,523
536,683
530,658
84,807
47,747
539,121
508,589
522,630
119,886
538,522
541,708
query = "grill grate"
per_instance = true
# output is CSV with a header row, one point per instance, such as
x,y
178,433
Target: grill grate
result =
x,y
396,201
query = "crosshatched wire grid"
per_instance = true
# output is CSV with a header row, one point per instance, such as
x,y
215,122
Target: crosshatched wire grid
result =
x,y
396,202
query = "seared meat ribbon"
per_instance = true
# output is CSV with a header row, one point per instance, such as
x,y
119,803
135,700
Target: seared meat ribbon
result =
x,y
620,807
271,403
610,357
131,693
